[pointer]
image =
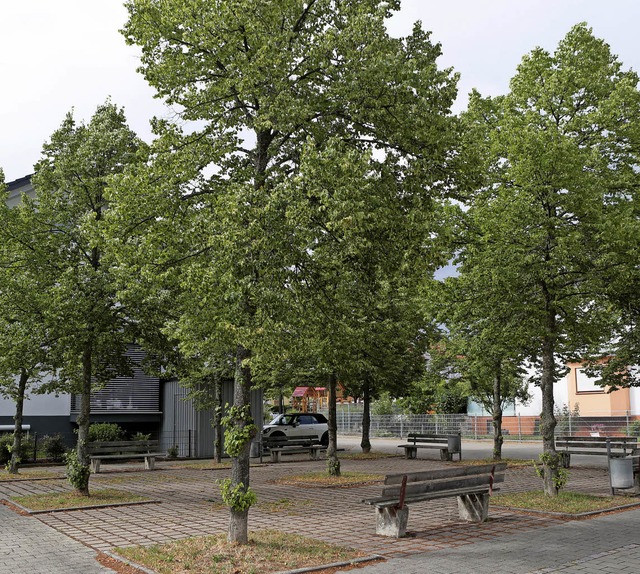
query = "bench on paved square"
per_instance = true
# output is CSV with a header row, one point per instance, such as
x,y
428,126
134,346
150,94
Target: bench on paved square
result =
x,y
123,450
279,445
449,444
472,485
611,446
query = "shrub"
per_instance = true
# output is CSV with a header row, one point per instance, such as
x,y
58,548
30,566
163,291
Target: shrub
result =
x,y
383,406
77,473
105,432
6,442
54,447
141,436
634,428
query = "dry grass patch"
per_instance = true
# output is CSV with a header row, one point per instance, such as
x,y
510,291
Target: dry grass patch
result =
x,y
324,480
267,551
58,500
511,462
199,465
147,479
566,502
27,474
365,455
286,505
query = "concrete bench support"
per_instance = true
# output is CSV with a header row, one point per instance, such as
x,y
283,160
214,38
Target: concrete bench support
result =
x,y
474,507
392,521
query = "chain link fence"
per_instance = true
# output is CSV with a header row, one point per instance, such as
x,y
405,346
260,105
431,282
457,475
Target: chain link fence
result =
x,y
38,447
519,427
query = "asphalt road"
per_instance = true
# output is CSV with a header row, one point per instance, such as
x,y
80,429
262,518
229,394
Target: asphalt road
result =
x,y
474,449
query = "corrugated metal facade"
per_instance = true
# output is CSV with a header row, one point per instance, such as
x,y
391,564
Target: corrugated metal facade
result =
x,y
136,395
189,429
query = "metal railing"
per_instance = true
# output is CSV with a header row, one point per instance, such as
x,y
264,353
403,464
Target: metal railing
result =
x,y
518,427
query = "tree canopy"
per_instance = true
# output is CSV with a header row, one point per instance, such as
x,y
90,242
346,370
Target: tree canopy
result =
x,y
560,157
267,92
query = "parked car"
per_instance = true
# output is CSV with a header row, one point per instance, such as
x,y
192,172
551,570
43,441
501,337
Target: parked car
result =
x,y
292,425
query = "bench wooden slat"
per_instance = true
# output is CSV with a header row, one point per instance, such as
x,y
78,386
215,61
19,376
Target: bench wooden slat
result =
x,y
415,488
437,474
121,443
596,444
580,441
121,449
123,456
383,501
419,445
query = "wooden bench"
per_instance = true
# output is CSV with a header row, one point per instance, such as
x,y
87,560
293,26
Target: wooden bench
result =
x,y
449,444
614,446
279,445
125,449
472,485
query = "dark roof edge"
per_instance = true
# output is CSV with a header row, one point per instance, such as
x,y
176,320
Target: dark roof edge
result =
x,y
18,183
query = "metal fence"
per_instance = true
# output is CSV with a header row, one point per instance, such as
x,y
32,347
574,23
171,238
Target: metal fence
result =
x,y
42,448
519,427
188,444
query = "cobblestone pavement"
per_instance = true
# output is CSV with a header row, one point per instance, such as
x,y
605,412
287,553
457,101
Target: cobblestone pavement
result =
x,y
28,546
190,505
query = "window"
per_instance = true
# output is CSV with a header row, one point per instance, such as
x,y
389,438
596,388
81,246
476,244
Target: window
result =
x,y
587,384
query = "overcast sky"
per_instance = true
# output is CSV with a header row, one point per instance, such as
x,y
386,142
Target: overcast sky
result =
x,y
61,54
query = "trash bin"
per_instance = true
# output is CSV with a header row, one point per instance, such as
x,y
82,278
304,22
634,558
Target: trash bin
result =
x,y
621,472
454,443
255,448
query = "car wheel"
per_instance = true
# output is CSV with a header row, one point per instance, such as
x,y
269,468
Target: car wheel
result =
x,y
324,441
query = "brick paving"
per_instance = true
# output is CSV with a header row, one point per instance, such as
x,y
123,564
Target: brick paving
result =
x,y
190,505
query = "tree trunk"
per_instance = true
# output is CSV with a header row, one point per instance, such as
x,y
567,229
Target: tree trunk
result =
x,y
333,464
365,443
17,429
496,412
217,416
547,418
84,418
239,520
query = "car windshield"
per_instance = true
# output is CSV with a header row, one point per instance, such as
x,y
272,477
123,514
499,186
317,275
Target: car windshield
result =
x,y
282,420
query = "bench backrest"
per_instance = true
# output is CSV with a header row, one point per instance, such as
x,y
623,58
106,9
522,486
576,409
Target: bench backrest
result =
x,y
451,441
122,446
279,441
599,442
445,479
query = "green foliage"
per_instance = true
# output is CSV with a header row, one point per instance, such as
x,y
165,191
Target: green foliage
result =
x,y
77,473
237,497
105,432
450,401
567,418
6,445
333,466
54,447
551,463
558,182
239,429
634,428
382,406
172,451
304,247
141,436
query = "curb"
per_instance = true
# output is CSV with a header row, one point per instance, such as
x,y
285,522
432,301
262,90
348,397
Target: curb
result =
x,y
570,516
128,562
30,512
353,562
